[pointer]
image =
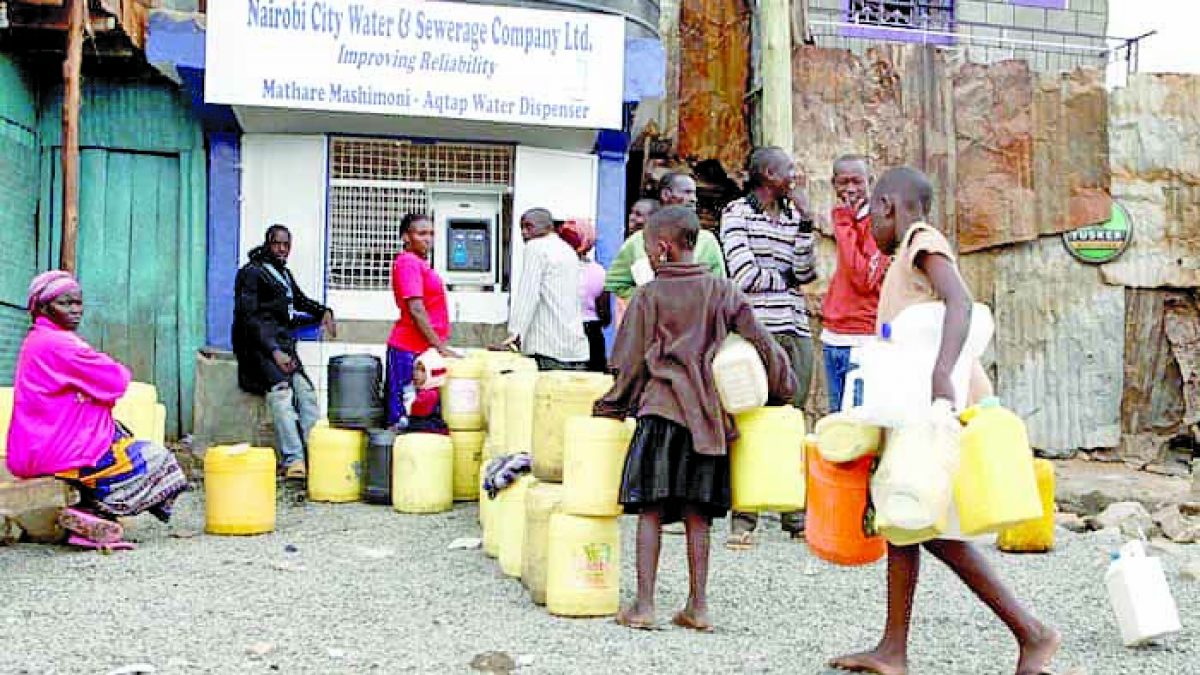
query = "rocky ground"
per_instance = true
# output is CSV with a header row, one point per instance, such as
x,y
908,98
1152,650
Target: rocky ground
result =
x,y
361,589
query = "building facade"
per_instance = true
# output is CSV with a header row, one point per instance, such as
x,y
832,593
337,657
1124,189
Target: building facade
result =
x,y
1052,35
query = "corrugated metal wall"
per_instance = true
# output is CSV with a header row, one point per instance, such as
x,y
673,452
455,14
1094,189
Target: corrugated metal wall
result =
x,y
18,206
1016,158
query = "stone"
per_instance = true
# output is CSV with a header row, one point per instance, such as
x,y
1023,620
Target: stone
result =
x,y
1087,488
1176,526
1131,518
1190,571
1071,521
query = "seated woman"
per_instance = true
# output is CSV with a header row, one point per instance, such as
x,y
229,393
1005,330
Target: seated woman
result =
x,y
63,426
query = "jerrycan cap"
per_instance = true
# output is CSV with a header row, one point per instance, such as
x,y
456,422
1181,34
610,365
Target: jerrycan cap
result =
x,y
885,331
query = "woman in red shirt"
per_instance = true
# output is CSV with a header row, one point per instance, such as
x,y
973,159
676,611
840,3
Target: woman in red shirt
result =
x,y
424,321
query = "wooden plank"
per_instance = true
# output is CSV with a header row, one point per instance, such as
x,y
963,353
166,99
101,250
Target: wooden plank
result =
x,y
144,257
92,269
775,26
168,256
192,276
72,87
118,224
192,286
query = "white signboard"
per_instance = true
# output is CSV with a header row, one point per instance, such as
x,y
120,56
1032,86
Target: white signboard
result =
x,y
428,59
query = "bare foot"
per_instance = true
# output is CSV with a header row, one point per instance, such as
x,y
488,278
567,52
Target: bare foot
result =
x,y
1037,655
693,619
876,661
638,617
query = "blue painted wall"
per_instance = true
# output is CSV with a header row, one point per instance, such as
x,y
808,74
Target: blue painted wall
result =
x,y
224,198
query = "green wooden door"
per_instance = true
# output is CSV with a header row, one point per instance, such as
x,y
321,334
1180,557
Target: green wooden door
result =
x,y
128,257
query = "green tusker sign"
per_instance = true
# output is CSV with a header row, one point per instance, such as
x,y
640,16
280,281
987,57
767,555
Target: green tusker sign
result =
x,y
1097,244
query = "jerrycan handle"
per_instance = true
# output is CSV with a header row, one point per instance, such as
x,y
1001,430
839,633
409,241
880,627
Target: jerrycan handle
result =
x,y
969,414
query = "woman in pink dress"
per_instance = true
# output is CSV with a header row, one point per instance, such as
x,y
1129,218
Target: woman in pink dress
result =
x,y
595,302
63,426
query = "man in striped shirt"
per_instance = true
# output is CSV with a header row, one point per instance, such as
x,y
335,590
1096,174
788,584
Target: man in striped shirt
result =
x,y
769,253
545,317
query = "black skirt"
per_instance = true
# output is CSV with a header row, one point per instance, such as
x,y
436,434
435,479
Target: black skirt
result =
x,y
662,470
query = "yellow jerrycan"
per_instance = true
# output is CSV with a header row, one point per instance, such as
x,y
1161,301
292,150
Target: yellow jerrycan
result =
x,y
497,415
487,517
1037,535
159,434
495,366
509,520
995,487
462,395
239,489
6,409
558,396
593,463
912,487
583,575
519,391
842,439
468,455
136,410
767,460
335,464
541,502
422,473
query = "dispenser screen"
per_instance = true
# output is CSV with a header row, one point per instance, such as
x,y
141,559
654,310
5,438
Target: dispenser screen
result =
x,y
469,245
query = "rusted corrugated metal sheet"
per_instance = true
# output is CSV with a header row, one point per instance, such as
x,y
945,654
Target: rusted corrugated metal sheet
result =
x,y
1152,404
892,104
1154,133
1032,153
714,38
993,114
1059,347
1070,151
1183,333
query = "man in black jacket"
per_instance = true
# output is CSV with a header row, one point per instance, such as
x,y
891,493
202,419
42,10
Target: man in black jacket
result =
x,y
268,305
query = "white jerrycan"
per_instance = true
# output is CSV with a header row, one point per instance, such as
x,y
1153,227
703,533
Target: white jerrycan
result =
x,y
1140,597
890,380
739,375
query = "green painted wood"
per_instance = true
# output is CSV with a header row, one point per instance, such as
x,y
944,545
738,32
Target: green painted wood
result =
x,y
166,303
18,183
143,229
18,98
125,115
192,272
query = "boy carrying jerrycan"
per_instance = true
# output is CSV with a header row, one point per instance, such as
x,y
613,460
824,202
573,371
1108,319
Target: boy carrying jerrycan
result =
x,y
924,271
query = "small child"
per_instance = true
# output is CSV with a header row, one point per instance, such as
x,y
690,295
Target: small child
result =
x,y
924,270
677,466
848,314
421,399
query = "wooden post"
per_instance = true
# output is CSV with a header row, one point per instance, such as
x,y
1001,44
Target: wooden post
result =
x,y
775,17
72,66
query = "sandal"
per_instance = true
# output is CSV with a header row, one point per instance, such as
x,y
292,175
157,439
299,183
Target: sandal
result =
x,y
106,547
740,541
90,526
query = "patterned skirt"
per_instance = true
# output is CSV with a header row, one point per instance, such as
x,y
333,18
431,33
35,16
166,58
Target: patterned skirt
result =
x,y
132,477
663,470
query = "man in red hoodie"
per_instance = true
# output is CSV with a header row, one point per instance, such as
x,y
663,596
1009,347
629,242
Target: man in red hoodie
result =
x,y
853,296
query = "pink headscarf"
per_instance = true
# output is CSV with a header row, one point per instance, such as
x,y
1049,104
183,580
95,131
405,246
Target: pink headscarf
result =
x,y
47,286
579,233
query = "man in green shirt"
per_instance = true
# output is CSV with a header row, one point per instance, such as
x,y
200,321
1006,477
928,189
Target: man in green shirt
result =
x,y
630,268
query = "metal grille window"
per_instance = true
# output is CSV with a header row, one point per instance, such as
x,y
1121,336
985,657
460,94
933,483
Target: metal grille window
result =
x,y
375,182
918,14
